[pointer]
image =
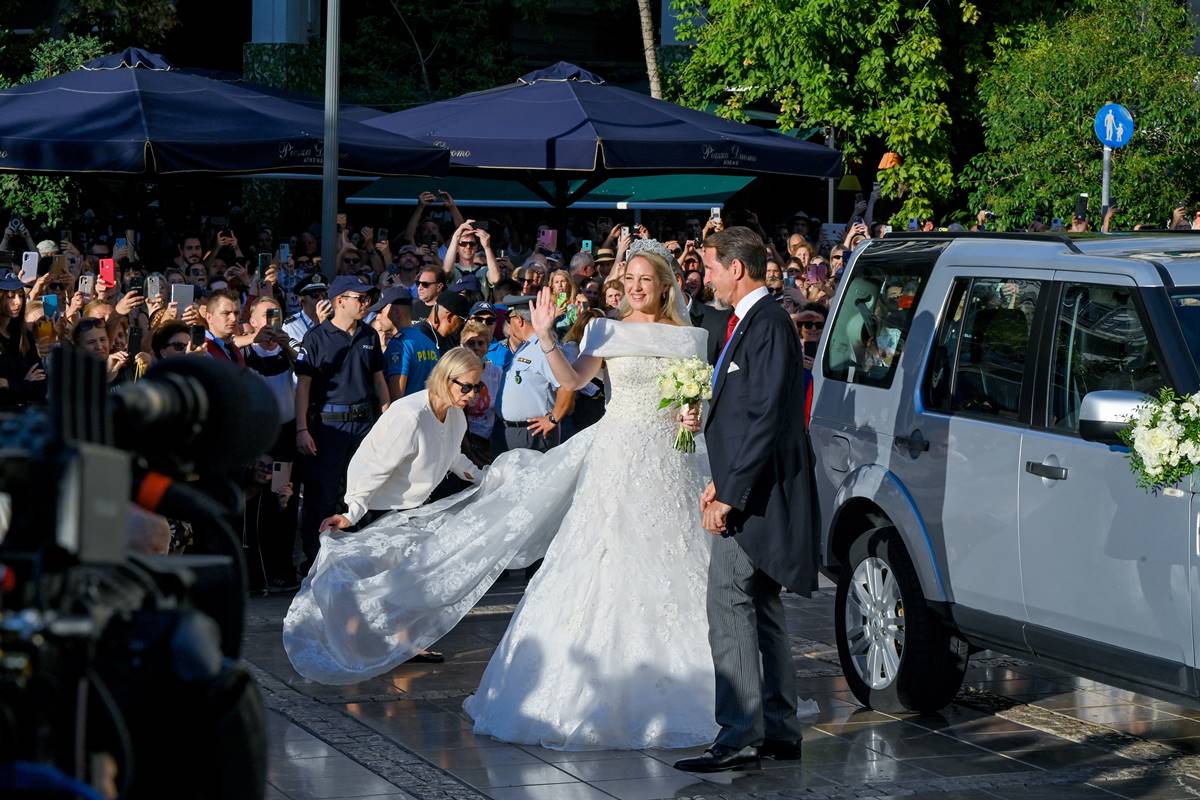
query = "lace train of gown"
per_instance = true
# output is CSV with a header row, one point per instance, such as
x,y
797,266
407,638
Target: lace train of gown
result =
x,y
609,646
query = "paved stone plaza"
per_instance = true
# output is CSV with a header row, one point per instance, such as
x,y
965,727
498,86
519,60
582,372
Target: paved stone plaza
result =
x,y
1017,732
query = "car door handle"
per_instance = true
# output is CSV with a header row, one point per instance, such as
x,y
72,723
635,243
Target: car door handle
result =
x,y
1046,471
915,443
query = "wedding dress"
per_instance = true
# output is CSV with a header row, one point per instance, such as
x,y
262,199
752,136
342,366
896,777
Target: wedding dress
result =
x,y
609,645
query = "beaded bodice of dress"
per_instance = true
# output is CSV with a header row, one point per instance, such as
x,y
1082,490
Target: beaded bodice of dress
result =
x,y
634,395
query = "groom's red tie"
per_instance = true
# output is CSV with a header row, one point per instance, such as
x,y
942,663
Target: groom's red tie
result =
x,y
733,321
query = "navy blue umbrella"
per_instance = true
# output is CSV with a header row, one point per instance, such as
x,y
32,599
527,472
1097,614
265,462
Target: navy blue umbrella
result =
x,y
134,113
565,119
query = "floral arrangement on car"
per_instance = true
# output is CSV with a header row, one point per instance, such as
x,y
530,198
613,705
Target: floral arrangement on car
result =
x,y
1164,440
684,382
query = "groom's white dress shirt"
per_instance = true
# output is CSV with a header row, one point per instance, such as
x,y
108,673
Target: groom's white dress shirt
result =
x,y
405,456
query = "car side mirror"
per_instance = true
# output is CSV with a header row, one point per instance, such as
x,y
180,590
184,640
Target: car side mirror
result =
x,y
1104,414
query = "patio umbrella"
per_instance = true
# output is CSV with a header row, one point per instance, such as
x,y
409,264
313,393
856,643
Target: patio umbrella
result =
x,y
565,123
135,114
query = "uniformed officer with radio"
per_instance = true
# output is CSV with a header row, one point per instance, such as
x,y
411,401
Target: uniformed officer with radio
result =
x,y
532,404
340,391
313,310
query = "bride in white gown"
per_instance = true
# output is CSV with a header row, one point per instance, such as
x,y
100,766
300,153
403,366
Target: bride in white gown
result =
x,y
609,646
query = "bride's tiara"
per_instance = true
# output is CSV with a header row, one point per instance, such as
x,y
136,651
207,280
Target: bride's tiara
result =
x,y
653,246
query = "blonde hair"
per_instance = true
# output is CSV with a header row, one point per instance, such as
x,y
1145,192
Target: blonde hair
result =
x,y
572,289
475,328
670,301
456,362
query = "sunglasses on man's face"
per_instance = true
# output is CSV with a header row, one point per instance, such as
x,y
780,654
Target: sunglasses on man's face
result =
x,y
810,324
352,262
485,320
426,284
467,388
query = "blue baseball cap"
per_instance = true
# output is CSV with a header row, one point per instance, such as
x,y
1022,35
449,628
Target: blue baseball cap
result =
x,y
346,283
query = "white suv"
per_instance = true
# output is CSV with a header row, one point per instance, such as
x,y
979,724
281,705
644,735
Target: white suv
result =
x,y
972,489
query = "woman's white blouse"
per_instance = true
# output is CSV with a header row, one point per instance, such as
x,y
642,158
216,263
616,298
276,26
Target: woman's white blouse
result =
x,y
405,456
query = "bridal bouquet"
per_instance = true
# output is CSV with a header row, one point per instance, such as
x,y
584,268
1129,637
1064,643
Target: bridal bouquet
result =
x,y
684,382
1164,440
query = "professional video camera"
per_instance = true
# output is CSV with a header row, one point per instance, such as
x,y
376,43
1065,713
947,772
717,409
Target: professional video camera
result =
x,y
119,673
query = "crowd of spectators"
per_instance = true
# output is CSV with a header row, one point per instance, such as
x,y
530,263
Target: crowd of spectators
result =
x,y
336,351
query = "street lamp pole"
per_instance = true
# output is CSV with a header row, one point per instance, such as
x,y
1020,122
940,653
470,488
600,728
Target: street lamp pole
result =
x,y
329,173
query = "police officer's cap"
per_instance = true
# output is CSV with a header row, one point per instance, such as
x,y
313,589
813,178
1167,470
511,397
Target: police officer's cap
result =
x,y
391,296
455,303
519,302
346,283
315,284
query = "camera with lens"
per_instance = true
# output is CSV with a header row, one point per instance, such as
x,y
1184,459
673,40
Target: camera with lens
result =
x,y
119,673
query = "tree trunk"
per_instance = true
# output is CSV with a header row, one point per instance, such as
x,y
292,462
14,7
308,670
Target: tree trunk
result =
x,y
650,48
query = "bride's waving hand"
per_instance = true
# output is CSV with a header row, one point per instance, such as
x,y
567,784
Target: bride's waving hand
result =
x,y
542,316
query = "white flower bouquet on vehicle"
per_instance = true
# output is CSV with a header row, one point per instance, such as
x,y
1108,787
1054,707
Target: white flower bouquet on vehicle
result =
x,y
1164,440
684,383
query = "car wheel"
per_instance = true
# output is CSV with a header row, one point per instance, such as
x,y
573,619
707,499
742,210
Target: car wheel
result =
x,y
896,654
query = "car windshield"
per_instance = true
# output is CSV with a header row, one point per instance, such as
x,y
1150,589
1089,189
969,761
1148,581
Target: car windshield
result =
x,y
1187,309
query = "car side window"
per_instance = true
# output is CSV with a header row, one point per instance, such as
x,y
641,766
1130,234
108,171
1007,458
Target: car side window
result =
x,y
1100,342
871,324
978,364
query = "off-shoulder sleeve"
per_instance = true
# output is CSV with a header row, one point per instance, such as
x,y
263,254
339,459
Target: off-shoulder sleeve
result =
x,y
595,336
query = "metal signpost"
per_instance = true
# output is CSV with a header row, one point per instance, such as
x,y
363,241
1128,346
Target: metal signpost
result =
x,y
329,173
1114,129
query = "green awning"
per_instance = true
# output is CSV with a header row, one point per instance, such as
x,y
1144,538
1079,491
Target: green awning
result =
x,y
650,193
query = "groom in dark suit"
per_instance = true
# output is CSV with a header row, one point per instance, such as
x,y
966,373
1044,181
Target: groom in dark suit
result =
x,y
759,506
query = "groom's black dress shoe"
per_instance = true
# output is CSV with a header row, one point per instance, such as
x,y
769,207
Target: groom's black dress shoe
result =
x,y
780,750
719,758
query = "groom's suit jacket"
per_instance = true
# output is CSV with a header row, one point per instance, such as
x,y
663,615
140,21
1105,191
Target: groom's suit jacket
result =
x,y
758,448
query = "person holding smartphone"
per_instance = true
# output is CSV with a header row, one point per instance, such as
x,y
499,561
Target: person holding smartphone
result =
x,y
810,324
22,377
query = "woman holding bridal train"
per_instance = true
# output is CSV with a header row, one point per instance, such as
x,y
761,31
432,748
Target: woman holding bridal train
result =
x,y
608,649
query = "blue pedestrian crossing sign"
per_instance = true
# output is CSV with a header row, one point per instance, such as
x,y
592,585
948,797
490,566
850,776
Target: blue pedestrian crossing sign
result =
x,y
1114,125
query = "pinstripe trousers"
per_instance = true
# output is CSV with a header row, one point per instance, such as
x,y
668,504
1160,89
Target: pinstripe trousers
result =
x,y
756,677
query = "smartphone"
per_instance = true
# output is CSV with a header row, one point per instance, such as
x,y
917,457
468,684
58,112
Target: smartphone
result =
x,y
381,235
560,299
274,319
714,213
285,253
44,328
913,225
121,242
281,475
1081,205
198,332
810,349
624,230
64,236
29,265
502,255
135,340
884,230
587,246
183,294
154,285
87,284
51,307
137,285
108,271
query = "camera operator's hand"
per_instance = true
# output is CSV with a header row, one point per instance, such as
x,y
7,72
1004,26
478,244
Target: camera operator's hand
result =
x,y
336,522
305,443
129,302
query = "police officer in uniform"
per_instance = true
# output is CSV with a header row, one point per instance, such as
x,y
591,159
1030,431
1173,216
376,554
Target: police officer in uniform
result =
x,y
532,404
340,391
312,295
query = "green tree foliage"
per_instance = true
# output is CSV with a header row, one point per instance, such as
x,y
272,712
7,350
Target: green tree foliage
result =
x,y
46,199
127,23
895,75
1039,104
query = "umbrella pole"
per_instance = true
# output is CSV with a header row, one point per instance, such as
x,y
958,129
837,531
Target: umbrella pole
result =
x,y
329,172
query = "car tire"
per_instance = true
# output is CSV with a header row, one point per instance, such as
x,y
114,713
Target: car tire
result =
x,y
896,654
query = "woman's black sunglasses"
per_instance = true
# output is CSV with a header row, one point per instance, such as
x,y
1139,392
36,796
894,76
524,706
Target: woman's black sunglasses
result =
x,y
467,388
